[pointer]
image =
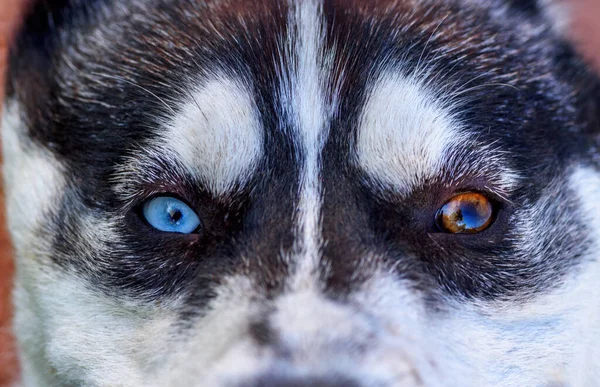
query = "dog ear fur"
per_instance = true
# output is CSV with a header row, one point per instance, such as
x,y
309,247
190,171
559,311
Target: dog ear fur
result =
x,y
43,31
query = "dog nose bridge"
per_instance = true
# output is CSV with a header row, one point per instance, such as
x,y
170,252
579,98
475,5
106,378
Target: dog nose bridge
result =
x,y
314,340
275,378
305,321
309,315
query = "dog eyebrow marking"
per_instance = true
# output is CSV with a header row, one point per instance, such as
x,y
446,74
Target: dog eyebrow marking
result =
x,y
403,133
310,120
217,134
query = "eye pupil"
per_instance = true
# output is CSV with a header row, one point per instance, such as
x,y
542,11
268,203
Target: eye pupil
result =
x,y
175,215
466,213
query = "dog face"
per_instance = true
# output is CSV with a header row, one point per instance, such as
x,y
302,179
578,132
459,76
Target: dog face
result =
x,y
331,193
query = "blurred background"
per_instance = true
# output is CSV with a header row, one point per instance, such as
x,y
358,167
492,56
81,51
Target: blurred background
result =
x,y
585,31
9,16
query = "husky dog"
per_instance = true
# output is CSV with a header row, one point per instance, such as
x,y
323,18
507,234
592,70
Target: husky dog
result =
x,y
303,193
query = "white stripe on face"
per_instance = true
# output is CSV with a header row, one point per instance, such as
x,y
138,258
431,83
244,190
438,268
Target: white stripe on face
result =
x,y
403,133
310,119
33,179
216,134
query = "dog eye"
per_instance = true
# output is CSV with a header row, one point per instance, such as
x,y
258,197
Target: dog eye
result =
x,y
168,214
467,213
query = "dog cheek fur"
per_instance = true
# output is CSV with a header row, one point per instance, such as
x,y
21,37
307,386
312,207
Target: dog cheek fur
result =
x,y
64,330
552,336
586,319
32,176
86,337
33,180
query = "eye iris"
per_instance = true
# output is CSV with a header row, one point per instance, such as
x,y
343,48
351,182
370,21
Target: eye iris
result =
x,y
466,213
168,214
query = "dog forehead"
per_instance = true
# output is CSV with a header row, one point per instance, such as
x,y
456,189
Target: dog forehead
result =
x,y
109,77
217,129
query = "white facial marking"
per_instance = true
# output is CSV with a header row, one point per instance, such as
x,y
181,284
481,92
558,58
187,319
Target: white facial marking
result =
x,y
70,332
216,134
32,176
310,119
403,133
378,338
585,367
218,346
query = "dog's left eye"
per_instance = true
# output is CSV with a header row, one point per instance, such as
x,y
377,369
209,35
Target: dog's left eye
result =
x,y
467,213
168,214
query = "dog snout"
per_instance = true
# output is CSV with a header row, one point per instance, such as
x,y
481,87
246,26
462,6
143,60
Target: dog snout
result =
x,y
277,378
309,340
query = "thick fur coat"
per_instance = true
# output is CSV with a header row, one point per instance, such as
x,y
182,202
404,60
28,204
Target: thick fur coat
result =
x,y
316,141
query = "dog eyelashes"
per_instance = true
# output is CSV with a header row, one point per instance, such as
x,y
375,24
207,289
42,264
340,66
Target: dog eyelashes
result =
x,y
168,214
467,213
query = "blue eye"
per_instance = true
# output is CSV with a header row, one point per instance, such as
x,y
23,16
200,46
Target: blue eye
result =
x,y
168,214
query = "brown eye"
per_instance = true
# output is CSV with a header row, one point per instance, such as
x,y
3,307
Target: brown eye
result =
x,y
467,213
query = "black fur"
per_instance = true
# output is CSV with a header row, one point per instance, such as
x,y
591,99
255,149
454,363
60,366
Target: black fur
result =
x,y
530,7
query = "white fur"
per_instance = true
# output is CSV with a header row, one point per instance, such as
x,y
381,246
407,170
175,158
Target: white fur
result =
x,y
404,346
552,338
33,182
224,354
83,335
32,176
404,133
311,124
560,13
218,342
371,352
216,134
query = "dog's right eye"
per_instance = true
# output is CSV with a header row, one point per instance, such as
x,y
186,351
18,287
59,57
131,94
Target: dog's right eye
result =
x,y
168,214
467,213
